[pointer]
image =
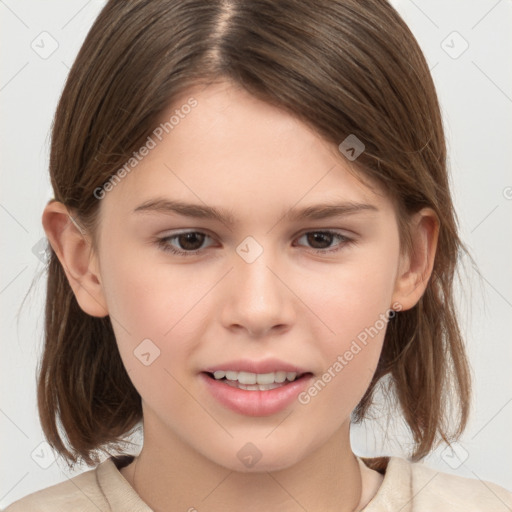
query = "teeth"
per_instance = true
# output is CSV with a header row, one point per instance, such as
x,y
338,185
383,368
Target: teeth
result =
x,y
253,387
248,378
231,375
280,377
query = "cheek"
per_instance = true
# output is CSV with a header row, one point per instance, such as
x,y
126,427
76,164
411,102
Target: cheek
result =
x,y
150,297
153,308
350,356
353,296
355,303
333,395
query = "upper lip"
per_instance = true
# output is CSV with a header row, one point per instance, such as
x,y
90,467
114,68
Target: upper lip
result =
x,y
264,366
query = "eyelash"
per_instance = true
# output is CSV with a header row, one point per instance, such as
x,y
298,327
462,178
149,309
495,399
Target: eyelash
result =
x,y
163,243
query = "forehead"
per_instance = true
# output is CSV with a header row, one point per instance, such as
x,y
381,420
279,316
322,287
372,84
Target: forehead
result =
x,y
234,151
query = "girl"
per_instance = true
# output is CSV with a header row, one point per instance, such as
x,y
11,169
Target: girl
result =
x,y
252,234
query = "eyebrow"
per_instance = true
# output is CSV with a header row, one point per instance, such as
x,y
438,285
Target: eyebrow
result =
x,y
314,212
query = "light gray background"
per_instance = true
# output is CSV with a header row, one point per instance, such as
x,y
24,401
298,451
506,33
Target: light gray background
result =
x,y
475,90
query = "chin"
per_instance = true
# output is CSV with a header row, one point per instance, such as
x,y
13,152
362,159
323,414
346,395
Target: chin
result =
x,y
249,459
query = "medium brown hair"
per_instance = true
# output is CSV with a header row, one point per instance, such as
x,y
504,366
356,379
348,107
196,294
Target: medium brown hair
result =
x,y
341,66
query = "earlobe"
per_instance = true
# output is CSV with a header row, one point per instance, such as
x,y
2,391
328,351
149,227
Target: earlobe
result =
x,y
416,267
72,246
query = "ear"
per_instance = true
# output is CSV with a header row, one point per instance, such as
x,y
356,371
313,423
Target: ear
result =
x,y
415,266
74,250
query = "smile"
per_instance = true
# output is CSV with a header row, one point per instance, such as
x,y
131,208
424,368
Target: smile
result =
x,y
254,394
255,381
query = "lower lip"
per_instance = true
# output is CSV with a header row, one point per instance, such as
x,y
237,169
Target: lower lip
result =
x,y
256,403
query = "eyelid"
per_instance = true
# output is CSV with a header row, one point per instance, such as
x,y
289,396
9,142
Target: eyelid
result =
x,y
347,233
164,241
345,240
337,231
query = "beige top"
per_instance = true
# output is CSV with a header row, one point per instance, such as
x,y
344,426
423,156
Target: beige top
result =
x,y
406,487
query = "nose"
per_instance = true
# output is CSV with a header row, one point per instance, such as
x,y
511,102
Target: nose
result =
x,y
258,298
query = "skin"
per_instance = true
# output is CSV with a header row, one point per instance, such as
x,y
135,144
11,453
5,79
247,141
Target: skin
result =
x,y
235,152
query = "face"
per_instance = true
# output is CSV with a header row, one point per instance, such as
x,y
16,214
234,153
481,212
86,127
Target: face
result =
x,y
189,293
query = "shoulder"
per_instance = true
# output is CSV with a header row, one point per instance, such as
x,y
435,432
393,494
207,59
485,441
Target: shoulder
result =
x,y
417,487
456,493
81,492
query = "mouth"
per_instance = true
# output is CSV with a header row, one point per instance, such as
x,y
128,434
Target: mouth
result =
x,y
249,381
255,387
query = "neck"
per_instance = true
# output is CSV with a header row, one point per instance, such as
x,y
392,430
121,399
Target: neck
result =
x,y
170,476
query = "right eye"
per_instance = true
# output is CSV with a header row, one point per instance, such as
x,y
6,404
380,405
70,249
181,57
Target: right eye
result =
x,y
190,243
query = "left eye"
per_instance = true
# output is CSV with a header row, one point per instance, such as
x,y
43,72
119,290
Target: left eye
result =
x,y
190,243
325,239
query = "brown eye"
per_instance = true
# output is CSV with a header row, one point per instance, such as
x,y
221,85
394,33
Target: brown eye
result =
x,y
319,240
185,244
190,241
322,241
